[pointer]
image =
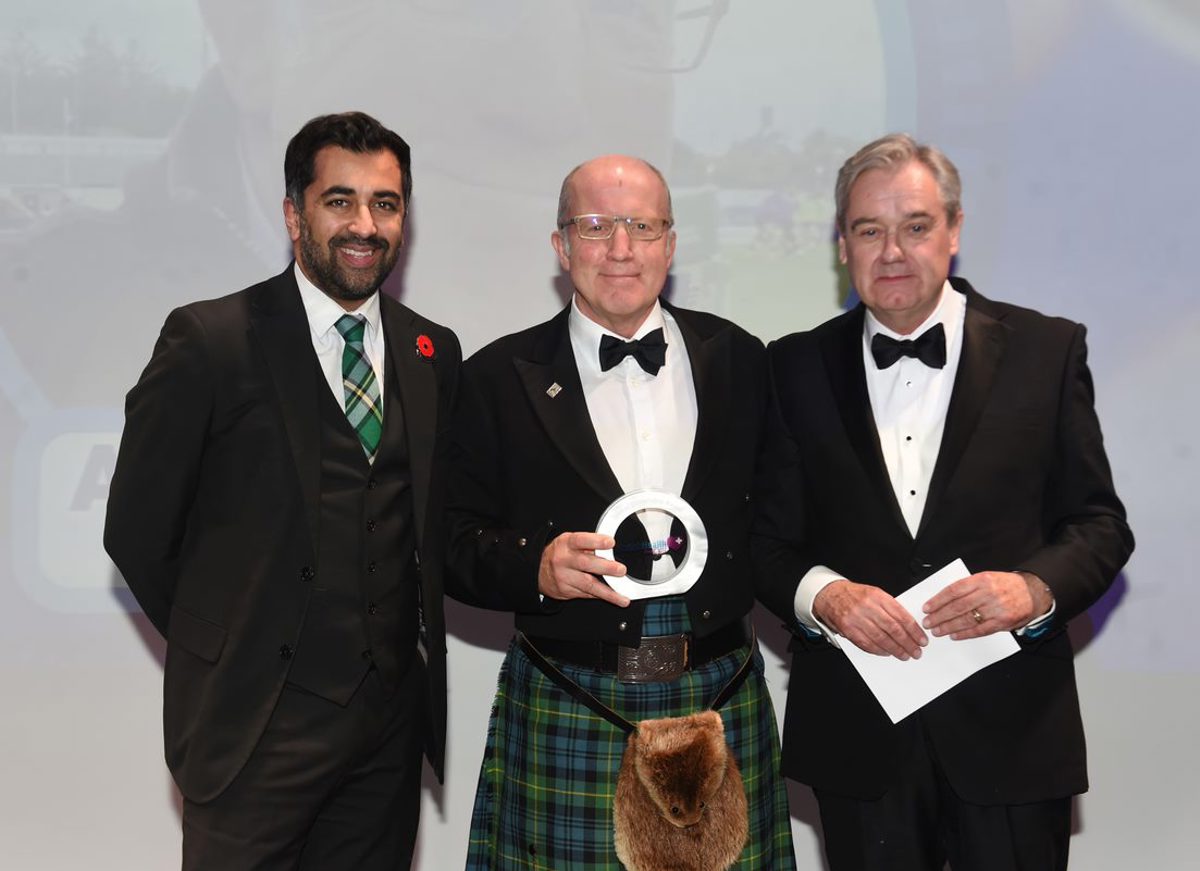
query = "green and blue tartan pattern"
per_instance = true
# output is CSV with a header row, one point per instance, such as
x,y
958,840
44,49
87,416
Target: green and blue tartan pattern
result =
x,y
545,793
363,408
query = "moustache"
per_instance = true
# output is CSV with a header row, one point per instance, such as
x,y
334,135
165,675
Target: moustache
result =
x,y
367,241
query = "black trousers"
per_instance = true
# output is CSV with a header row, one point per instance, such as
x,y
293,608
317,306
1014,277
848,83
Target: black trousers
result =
x,y
327,787
920,824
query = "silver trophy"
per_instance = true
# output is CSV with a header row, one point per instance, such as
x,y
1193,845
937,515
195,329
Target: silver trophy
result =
x,y
660,540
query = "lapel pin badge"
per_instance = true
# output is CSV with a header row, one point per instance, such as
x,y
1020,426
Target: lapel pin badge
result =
x,y
554,389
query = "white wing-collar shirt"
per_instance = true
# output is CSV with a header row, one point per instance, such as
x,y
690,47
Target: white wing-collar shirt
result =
x,y
909,401
646,424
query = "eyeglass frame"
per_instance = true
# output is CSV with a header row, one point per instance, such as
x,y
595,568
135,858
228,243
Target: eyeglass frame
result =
x,y
627,220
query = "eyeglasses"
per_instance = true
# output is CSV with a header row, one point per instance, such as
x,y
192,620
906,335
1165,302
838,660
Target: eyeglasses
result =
x,y
603,226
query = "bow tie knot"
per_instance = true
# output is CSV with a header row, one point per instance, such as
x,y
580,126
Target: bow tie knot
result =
x,y
929,348
650,351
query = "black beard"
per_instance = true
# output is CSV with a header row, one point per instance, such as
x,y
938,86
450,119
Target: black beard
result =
x,y
329,275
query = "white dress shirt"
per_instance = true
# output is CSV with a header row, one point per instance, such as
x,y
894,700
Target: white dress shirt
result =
x,y
323,313
909,401
646,424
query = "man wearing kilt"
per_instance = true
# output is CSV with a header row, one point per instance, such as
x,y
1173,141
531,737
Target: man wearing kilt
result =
x,y
617,393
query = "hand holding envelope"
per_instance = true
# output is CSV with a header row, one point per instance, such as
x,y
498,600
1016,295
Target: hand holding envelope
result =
x,y
903,686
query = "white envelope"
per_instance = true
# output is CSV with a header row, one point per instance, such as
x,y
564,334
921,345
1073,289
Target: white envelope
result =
x,y
905,686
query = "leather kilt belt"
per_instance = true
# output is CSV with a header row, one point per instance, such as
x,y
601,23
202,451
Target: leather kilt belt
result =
x,y
655,659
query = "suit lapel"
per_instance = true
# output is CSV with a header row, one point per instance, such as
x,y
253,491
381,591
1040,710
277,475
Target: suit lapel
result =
x,y
418,400
711,368
843,356
565,415
983,347
282,331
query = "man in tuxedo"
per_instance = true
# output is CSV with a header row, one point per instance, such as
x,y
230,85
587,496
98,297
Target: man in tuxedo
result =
x,y
275,510
618,392
928,424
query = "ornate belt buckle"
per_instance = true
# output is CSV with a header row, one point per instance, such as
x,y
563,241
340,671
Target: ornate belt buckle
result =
x,y
656,660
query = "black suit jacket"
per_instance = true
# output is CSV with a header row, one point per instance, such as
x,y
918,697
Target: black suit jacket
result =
x,y
215,501
528,465
1021,482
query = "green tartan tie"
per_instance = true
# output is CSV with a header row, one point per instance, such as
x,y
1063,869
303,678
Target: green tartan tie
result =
x,y
363,408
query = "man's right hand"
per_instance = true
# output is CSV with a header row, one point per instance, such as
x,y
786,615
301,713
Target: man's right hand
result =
x,y
570,565
870,618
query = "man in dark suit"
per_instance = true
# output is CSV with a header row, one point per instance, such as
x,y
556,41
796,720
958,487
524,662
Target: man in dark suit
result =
x,y
617,393
925,425
275,510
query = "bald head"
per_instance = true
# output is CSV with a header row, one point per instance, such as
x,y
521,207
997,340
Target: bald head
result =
x,y
611,169
617,278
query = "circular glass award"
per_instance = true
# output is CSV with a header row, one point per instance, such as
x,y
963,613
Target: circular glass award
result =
x,y
660,540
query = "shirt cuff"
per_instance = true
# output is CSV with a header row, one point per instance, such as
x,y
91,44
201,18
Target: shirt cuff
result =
x,y
814,581
1038,625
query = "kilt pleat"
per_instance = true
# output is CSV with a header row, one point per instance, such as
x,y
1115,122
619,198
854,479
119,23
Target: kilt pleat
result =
x,y
545,793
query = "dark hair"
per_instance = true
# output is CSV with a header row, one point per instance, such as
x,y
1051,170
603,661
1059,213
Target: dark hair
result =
x,y
353,131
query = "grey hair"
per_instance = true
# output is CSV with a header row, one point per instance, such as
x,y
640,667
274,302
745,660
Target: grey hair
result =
x,y
891,152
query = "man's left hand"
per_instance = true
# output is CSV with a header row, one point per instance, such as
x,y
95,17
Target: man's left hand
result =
x,y
986,602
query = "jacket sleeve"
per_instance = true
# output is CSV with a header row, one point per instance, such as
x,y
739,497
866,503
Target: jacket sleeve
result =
x,y
154,483
489,563
1089,540
777,535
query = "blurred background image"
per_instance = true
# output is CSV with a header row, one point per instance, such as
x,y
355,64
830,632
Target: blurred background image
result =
x,y
141,153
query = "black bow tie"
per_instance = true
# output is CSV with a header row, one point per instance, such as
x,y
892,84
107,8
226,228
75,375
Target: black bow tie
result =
x,y
650,351
929,348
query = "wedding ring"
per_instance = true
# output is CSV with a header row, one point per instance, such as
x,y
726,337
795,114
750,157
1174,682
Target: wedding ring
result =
x,y
978,617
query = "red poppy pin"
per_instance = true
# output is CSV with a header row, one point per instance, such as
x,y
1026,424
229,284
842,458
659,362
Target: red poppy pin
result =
x,y
425,347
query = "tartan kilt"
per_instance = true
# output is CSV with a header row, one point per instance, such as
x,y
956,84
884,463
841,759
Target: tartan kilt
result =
x,y
549,774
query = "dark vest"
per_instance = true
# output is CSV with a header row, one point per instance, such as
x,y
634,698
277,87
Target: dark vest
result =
x,y
363,611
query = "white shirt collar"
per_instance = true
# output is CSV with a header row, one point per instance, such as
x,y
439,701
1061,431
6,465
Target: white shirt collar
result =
x,y
949,313
323,311
586,333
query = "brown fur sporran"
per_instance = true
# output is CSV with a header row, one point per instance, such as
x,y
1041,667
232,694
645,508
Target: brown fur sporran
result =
x,y
680,805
